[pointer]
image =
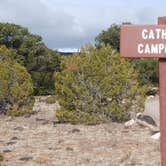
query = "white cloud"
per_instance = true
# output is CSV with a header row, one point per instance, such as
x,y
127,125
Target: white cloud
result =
x,y
71,25
56,26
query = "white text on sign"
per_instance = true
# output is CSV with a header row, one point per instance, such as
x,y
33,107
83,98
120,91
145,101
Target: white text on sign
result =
x,y
157,34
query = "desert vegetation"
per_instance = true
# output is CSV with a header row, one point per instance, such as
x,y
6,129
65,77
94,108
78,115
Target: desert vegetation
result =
x,y
30,51
147,68
16,86
69,109
92,86
96,85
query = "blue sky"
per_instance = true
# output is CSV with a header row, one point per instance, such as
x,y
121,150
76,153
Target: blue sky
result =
x,y
70,24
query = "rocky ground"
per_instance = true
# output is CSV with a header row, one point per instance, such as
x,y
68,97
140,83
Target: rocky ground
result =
x,y
39,141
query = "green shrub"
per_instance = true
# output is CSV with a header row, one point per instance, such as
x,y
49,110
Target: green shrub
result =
x,y
30,51
1,157
148,71
15,84
147,68
97,86
110,36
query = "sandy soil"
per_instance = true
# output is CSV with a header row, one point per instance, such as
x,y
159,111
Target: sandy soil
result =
x,y
39,141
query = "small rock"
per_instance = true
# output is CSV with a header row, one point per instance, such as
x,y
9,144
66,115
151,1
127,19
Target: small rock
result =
x,y
69,149
146,118
156,136
146,121
150,96
40,119
55,123
26,158
19,128
11,143
129,123
147,125
27,115
14,138
6,151
125,131
45,122
75,131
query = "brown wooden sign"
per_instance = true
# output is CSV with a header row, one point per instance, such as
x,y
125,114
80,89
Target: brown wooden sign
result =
x,y
142,41
149,41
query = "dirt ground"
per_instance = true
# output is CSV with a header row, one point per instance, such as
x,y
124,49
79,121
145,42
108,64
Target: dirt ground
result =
x,y
39,141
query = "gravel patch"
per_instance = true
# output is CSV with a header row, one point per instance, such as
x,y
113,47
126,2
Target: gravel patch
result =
x,y
40,141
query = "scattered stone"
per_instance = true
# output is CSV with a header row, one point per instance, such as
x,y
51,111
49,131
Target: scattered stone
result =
x,y
150,97
75,131
27,115
146,118
40,119
125,131
69,149
55,123
14,138
153,91
11,143
19,128
66,146
129,123
156,136
26,158
45,122
6,151
146,125
146,121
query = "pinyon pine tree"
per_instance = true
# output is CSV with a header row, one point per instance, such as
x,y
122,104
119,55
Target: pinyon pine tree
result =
x,y
96,85
15,85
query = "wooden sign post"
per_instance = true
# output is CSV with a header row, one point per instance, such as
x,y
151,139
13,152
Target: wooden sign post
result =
x,y
149,41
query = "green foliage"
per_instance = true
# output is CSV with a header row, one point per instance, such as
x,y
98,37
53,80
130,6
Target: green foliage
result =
x,y
30,51
15,83
96,85
110,36
147,68
1,157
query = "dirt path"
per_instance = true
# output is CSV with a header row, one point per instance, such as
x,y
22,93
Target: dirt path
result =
x,y
38,141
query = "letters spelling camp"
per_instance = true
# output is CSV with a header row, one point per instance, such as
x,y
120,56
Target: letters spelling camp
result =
x,y
159,34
